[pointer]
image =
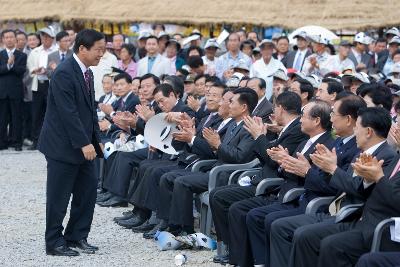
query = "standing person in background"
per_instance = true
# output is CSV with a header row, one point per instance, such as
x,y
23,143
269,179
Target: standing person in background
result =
x,y
72,36
22,39
63,52
282,47
295,59
209,58
118,41
37,66
126,62
12,69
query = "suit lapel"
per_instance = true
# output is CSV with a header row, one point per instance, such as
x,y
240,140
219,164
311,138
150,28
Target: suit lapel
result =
x,y
231,134
82,82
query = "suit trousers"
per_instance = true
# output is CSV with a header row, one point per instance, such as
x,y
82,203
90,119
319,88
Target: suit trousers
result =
x,y
239,245
27,120
282,231
11,116
307,239
166,189
64,179
39,104
221,198
118,176
259,222
379,259
147,192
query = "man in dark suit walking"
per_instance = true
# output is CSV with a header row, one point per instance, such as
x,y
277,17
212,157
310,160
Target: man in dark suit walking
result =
x,y
70,141
12,69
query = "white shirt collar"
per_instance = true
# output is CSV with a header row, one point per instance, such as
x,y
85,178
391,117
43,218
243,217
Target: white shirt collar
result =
x,y
81,65
10,51
315,138
126,97
372,149
347,139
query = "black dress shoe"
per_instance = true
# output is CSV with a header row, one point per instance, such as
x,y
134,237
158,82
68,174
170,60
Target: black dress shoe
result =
x,y
224,259
132,222
83,246
62,251
124,217
146,226
161,226
114,202
104,197
129,212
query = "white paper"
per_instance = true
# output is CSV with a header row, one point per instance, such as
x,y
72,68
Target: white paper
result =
x,y
395,230
222,36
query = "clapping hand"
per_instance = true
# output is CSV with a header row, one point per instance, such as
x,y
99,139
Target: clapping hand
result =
x,y
185,134
212,137
173,117
277,153
106,108
255,126
104,124
298,166
144,112
324,158
368,167
193,103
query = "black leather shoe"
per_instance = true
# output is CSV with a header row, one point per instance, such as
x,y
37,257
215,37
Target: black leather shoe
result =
x,y
224,259
114,202
132,222
104,197
124,217
83,246
128,212
161,226
62,251
146,226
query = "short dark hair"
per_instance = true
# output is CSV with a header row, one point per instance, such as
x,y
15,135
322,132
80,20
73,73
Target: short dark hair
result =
x,y
183,71
124,76
322,110
377,118
19,32
290,101
381,40
87,38
212,79
333,86
350,105
152,37
165,88
198,77
176,83
156,80
252,32
7,31
61,35
201,53
247,96
261,82
306,87
195,62
130,48
282,37
380,95
247,42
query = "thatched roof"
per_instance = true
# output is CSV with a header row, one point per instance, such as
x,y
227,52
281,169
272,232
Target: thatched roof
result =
x,y
336,14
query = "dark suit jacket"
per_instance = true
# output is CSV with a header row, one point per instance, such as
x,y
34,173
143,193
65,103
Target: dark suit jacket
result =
x,y
263,110
11,85
382,58
130,105
201,113
317,182
292,180
344,181
383,203
289,139
236,147
365,58
288,60
55,57
202,148
70,122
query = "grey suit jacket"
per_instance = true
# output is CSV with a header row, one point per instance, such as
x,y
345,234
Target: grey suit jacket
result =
x,y
55,57
365,58
288,60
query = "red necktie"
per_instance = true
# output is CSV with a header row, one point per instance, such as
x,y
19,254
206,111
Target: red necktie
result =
x,y
87,79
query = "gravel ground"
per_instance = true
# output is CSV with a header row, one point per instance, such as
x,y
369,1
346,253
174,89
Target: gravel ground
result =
x,y
22,225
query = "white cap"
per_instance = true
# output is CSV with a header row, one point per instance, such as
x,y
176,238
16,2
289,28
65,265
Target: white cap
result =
x,y
281,75
362,38
234,81
395,39
395,69
318,39
361,76
241,65
211,43
48,31
314,80
143,34
161,34
266,41
393,31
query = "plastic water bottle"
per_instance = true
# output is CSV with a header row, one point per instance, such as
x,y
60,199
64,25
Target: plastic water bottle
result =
x,y
180,259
